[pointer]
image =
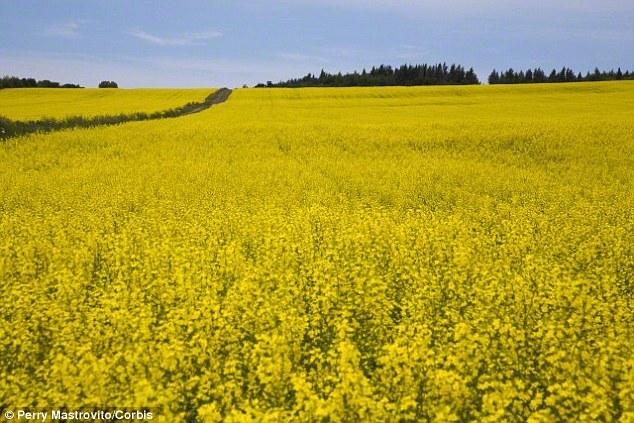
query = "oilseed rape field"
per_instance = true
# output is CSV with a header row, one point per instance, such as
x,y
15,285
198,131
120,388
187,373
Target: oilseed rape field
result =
x,y
442,254
37,103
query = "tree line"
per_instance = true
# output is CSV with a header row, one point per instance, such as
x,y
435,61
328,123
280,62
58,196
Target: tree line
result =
x,y
537,75
16,82
385,75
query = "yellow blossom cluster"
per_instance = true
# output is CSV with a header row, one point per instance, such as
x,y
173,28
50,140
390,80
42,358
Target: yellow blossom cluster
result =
x,y
329,255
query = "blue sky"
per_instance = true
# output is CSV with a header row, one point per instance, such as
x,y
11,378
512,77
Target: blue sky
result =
x,y
197,43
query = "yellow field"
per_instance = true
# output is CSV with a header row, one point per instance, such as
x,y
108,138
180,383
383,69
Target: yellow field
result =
x,y
376,254
36,103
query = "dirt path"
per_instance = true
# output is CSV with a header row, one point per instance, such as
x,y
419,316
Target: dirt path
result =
x,y
9,128
217,97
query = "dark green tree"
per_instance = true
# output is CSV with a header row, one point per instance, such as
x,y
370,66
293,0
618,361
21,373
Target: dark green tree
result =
x,y
471,77
553,76
108,84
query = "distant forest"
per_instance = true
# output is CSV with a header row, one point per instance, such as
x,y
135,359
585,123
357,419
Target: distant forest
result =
x,y
385,75
537,75
15,82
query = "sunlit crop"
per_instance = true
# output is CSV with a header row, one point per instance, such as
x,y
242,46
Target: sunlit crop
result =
x,y
36,103
376,254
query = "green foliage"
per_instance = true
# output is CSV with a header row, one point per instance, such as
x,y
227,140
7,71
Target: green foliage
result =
x,y
108,84
8,128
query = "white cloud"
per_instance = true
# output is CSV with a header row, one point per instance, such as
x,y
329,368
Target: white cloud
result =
x,y
160,71
411,54
231,72
482,7
300,57
343,52
65,29
187,39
